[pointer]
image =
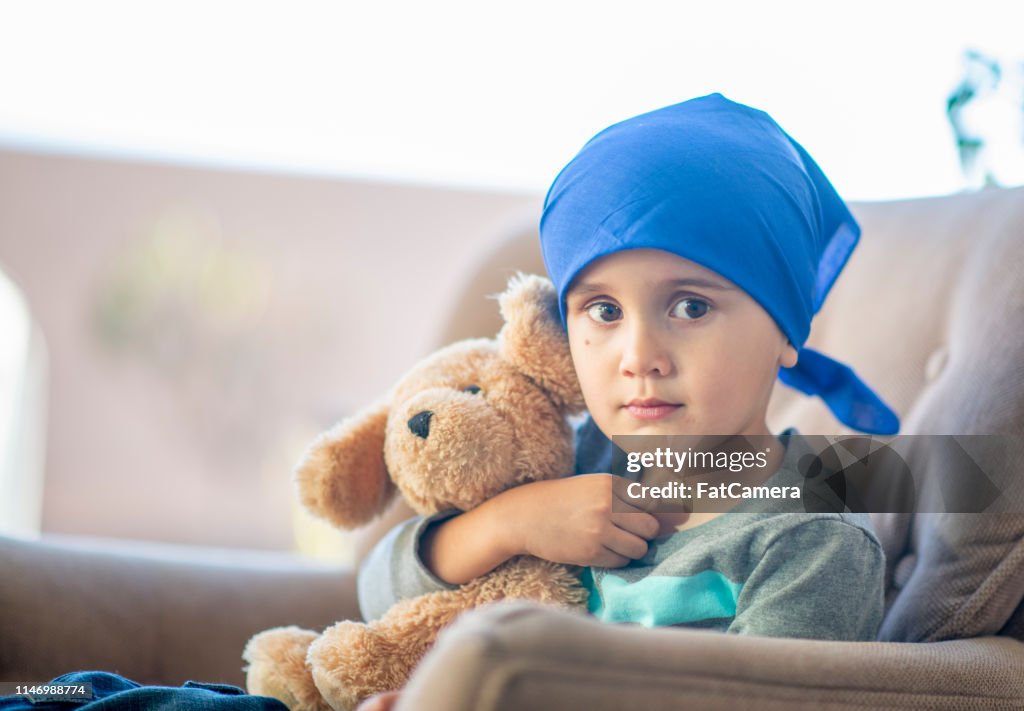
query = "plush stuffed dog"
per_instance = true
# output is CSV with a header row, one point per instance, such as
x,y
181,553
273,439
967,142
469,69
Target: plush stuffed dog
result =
x,y
470,421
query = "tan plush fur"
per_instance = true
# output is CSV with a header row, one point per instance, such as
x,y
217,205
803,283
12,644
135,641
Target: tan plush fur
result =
x,y
472,446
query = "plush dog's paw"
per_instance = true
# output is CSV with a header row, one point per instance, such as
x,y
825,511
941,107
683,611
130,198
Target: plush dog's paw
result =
x,y
276,666
351,661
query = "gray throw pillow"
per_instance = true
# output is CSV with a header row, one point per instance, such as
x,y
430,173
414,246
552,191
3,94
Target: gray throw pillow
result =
x,y
962,575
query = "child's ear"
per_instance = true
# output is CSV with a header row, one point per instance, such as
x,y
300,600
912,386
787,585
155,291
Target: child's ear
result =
x,y
342,477
789,356
534,341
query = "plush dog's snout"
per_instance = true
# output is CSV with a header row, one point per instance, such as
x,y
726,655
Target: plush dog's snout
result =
x,y
420,423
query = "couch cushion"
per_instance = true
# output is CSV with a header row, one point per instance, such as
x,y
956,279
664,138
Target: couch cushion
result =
x,y
521,655
961,577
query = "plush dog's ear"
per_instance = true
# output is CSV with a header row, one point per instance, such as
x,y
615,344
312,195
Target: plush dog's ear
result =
x,y
342,477
534,341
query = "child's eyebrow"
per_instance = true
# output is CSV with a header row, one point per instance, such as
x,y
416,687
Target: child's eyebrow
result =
x,y
587,288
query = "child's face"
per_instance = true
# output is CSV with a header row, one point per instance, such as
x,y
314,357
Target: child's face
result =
x,y
647,325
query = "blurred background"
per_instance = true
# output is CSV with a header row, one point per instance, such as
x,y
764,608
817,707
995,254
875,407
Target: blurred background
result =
x,y
224,226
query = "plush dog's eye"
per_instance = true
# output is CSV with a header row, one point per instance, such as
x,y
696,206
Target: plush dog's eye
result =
x,y
471,389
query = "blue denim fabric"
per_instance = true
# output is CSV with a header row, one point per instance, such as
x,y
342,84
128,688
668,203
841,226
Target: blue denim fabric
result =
x,y
111,691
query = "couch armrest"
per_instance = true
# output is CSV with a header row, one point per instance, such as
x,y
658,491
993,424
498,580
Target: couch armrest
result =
x,y
156,614
524,656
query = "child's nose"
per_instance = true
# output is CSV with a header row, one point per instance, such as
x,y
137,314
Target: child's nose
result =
x,y
644,353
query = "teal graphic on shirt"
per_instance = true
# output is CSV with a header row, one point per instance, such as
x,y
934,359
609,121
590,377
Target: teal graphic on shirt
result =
x,y
659,600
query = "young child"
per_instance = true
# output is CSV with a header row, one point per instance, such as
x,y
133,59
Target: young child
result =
x,y
690,247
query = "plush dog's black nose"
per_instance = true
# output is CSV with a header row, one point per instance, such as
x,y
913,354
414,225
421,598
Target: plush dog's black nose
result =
x,y
420,423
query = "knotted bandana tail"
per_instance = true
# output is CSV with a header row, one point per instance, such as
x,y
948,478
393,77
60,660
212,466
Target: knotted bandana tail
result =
x,y
850,400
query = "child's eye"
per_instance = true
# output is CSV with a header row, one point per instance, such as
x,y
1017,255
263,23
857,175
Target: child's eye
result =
x,y
690,308
604,312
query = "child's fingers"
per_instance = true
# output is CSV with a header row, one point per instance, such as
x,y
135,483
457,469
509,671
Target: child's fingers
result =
x,y
639,523
625,544
609,559
622,501
380,702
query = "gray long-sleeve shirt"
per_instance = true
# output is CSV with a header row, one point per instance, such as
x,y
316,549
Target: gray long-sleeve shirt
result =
x,y
750,571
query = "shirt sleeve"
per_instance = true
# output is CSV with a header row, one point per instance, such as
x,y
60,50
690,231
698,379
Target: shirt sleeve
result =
x,y
593,449
822,579
394,570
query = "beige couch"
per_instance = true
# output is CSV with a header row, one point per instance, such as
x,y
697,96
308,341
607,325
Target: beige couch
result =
x,y
930,312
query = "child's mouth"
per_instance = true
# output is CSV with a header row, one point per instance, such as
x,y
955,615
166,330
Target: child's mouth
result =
x,y
651,409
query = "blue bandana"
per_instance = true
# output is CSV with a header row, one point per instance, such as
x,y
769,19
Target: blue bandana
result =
x,y
720,184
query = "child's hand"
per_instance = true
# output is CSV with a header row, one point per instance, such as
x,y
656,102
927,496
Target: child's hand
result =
x,y
383,701
568,520
573,520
